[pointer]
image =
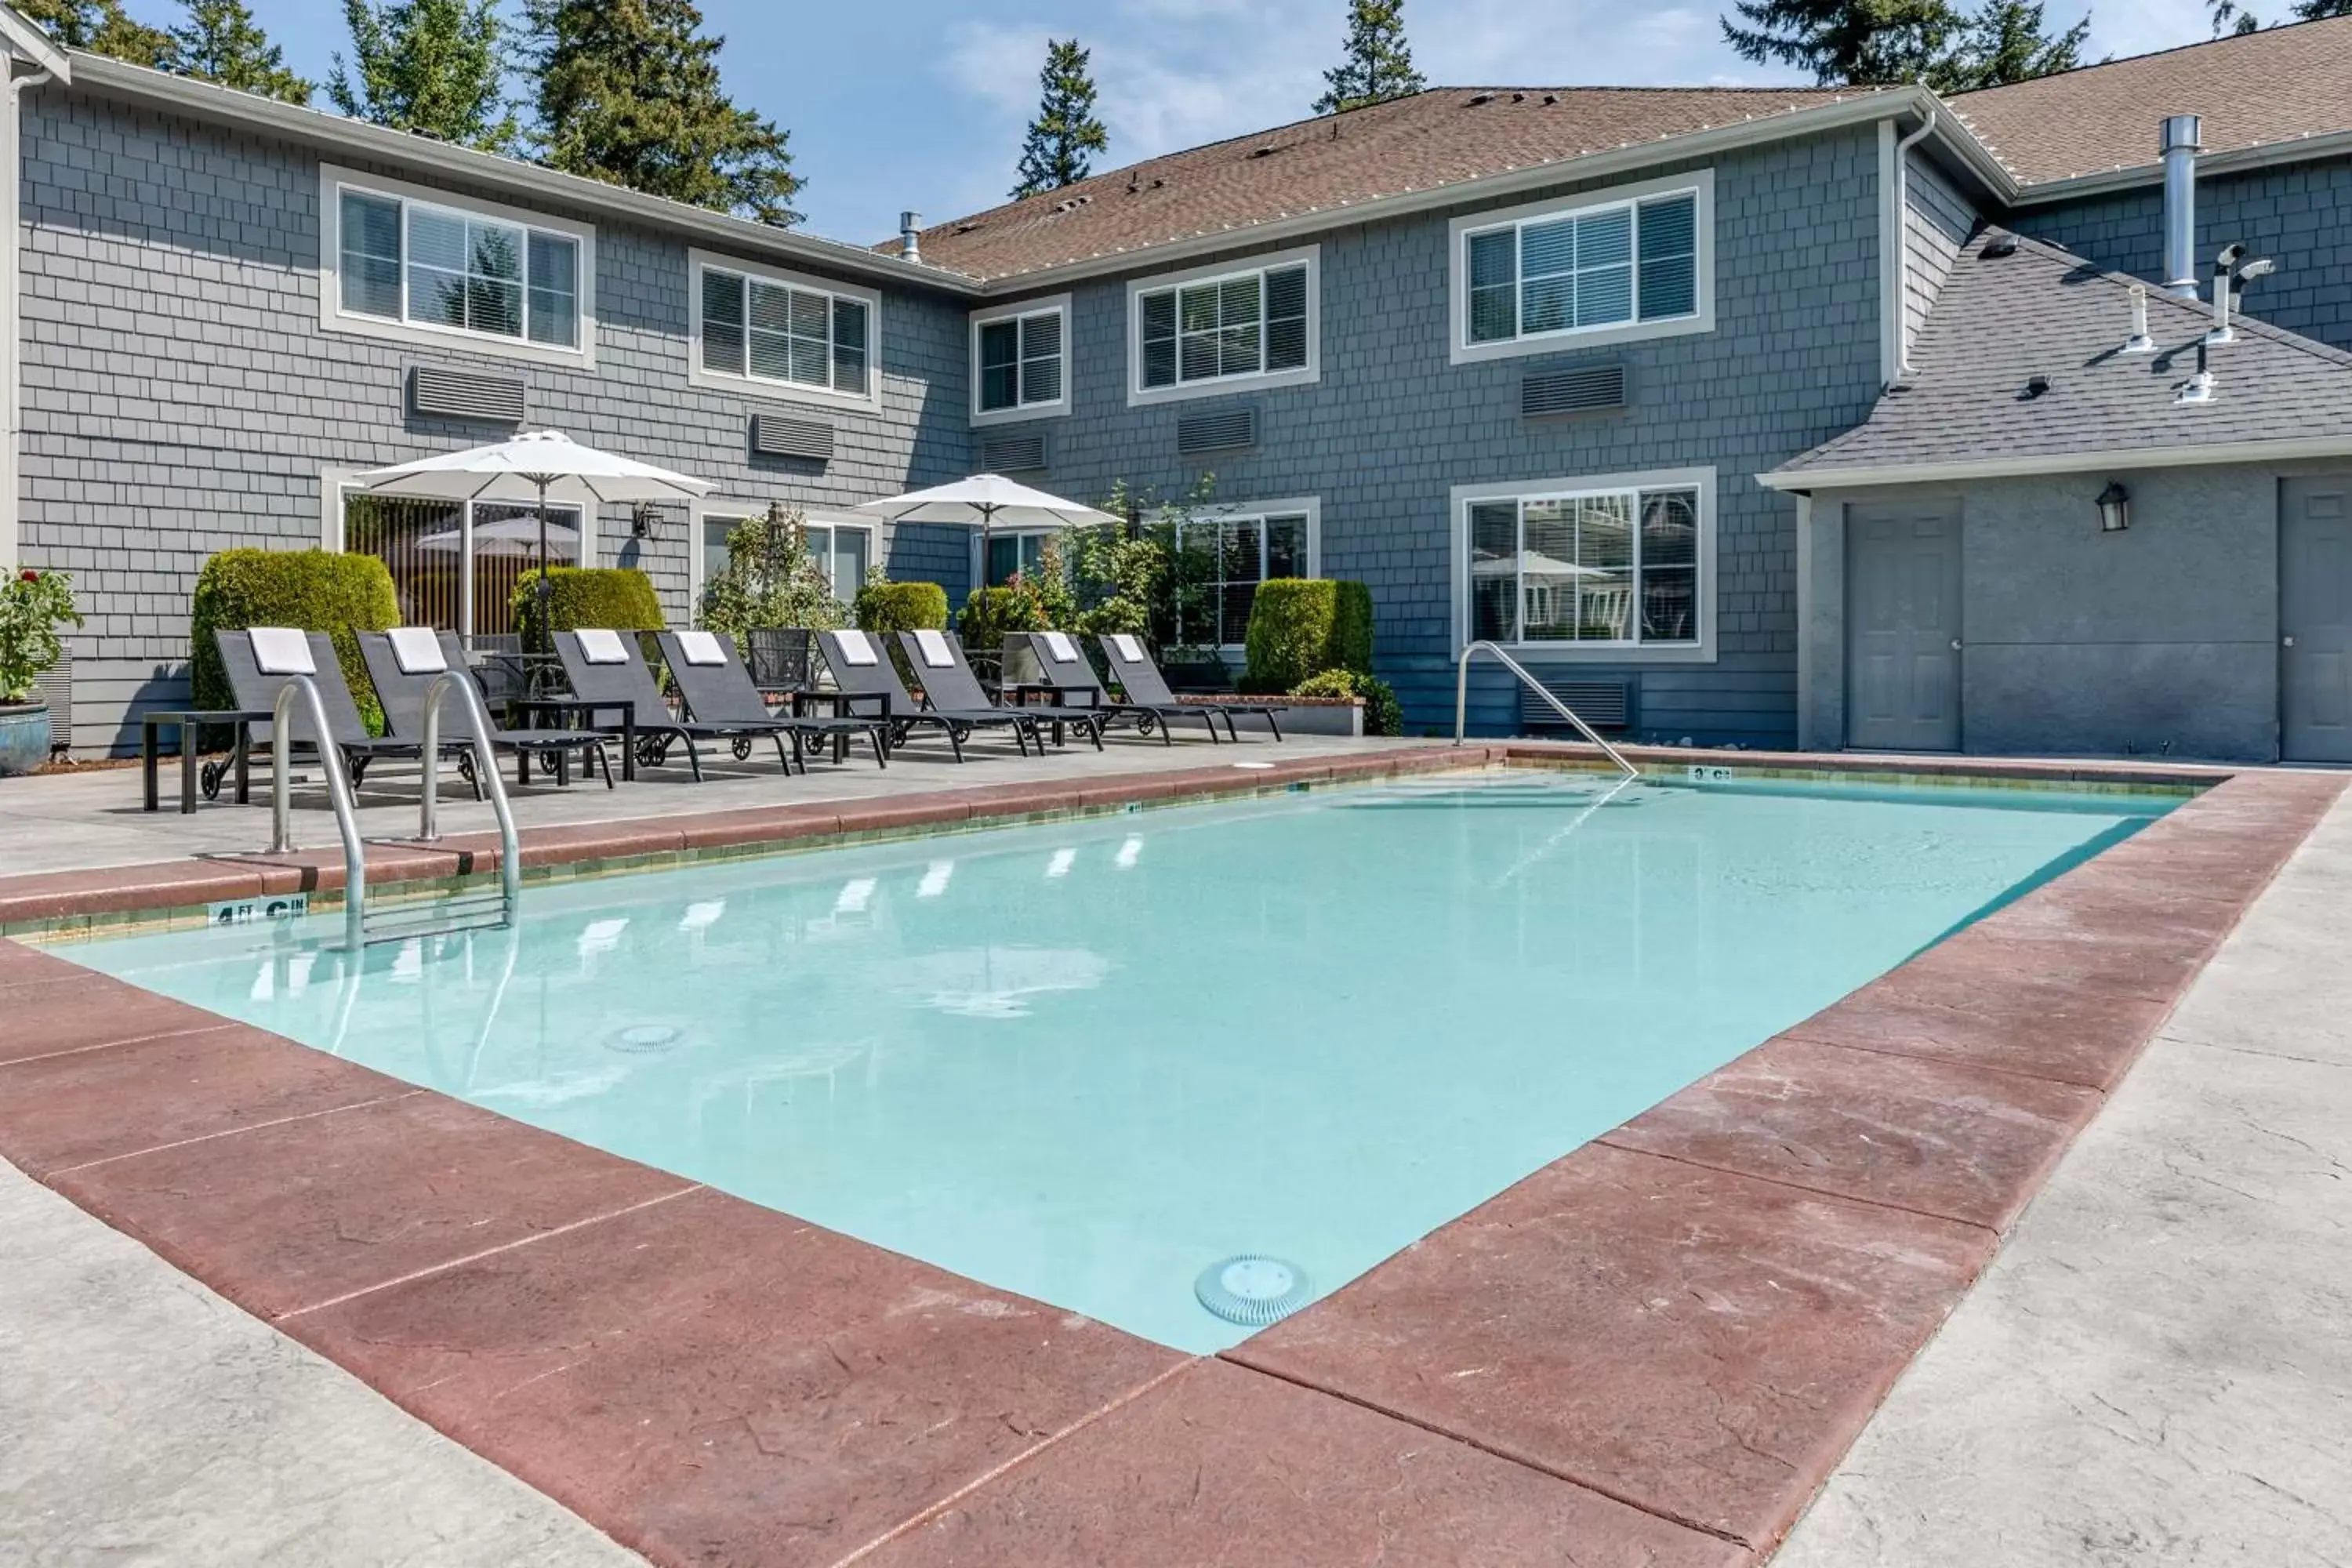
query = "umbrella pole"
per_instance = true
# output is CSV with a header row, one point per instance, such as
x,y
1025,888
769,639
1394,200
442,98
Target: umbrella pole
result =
x,y
546,630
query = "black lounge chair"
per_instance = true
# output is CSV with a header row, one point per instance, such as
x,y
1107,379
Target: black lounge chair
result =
x,y
255,691
717,688
401,690
861,671
947,682
1138,676
626,678
1062,665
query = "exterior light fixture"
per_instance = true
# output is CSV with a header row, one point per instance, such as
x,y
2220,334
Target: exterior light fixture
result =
x,y
642,520
2114,508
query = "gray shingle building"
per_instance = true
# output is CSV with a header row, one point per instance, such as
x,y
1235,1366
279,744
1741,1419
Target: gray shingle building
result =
x,y
1767,417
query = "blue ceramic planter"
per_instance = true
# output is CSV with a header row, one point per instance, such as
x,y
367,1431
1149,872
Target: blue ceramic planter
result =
x,y
24,738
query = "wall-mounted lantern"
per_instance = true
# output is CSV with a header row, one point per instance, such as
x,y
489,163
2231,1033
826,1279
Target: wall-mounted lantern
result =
x,y
642,520
2114,508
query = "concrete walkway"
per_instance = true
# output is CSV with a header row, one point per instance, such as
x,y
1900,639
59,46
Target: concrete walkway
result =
x,y
143,1420
65,822
2157,1369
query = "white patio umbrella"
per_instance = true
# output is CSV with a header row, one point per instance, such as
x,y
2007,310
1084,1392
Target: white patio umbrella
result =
x,y
987,499
508,536
538,465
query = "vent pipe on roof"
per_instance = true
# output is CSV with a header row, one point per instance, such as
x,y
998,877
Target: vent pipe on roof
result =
x,y
2139,343
2180,142
911,236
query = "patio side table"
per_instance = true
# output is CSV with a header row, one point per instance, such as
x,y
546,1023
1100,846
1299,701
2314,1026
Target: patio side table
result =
x,y
587,710
188,723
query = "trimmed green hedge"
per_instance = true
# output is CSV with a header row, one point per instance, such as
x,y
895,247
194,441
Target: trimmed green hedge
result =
x,y
989,612
1301,626
342,595
619,597
1383,714
902,607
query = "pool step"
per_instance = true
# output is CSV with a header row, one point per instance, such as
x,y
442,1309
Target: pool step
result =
x,y
485,910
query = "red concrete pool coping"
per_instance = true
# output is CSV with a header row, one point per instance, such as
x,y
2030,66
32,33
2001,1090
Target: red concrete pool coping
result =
x,y
1652,1350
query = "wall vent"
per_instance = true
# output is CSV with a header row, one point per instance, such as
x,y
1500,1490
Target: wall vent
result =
x,y
1589,389
1219,432
1603,704
773,435
1019,452
466,395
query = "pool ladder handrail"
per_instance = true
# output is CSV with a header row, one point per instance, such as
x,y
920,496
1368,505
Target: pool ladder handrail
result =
x,y
356,931
1462,702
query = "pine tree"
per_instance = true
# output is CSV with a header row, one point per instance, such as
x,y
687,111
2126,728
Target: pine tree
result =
x,y
427,65
2228,17
2315,11
221,42
1375,64
1066,129
629,93
101,28
2005,43
1857,43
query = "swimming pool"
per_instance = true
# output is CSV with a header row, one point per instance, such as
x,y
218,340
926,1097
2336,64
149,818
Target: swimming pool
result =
x,y
1089,1060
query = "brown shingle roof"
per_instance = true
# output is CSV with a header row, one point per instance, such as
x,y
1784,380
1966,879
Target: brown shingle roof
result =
x,y
1437,138
2279,85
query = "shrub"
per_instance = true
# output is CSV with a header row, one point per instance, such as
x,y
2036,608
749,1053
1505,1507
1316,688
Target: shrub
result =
x,y
1301,626
902,607
621,597
1383,714
989,612
341,595
771,579
33,605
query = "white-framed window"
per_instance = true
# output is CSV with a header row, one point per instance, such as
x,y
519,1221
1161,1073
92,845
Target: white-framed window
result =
x,y
843,549
1021,361
1611,267
1617,567
781,334
1242,547
1006,553
455,564
1225,328
397,260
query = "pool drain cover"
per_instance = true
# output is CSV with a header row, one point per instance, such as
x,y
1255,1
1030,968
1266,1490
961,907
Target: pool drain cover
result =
x,y
643,1039
1251,1290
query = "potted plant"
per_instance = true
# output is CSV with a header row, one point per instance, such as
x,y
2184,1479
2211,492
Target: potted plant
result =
x,y
33,605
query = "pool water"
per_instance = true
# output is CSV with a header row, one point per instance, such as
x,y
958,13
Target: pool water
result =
x,y
1088,1061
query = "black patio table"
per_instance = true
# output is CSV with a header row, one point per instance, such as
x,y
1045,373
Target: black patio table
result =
x,y
189,722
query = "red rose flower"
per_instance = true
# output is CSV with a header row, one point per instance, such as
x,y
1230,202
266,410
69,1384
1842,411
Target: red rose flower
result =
x,y
30,576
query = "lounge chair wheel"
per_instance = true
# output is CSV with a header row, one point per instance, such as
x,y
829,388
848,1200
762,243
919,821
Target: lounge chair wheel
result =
x,y
652,751
208,778
466,768
1144,723
742,748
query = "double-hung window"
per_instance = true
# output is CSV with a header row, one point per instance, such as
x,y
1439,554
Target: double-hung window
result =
x,y
1219,562
1020,365
843,550
1221,329
1612,268
511,281
1617,564
799,336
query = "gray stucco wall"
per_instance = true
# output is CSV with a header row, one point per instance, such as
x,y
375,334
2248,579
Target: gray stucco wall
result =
x,y
180,396
1392,426
2300,214
2160,641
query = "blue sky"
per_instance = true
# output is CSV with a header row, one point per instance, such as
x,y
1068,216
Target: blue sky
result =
x,y
920,103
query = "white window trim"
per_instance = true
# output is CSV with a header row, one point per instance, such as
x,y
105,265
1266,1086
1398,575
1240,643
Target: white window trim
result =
x,y
1312,507
1461,351
337,485
1616,653
1045,305
1139,395
334,179
779,390
709,510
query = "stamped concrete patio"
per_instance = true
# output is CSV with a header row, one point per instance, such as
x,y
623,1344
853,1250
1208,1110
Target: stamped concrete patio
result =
x,y
1653,1351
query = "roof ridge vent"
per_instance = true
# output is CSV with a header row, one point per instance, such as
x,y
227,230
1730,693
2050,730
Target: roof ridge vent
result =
x,y
1478,98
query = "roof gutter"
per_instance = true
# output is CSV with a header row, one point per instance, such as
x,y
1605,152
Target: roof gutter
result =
x,y
313,128
1867,107
2267,154
2209,454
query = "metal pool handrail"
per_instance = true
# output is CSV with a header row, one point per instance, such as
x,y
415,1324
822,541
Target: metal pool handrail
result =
x,y
1462,702
339,792
486,768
